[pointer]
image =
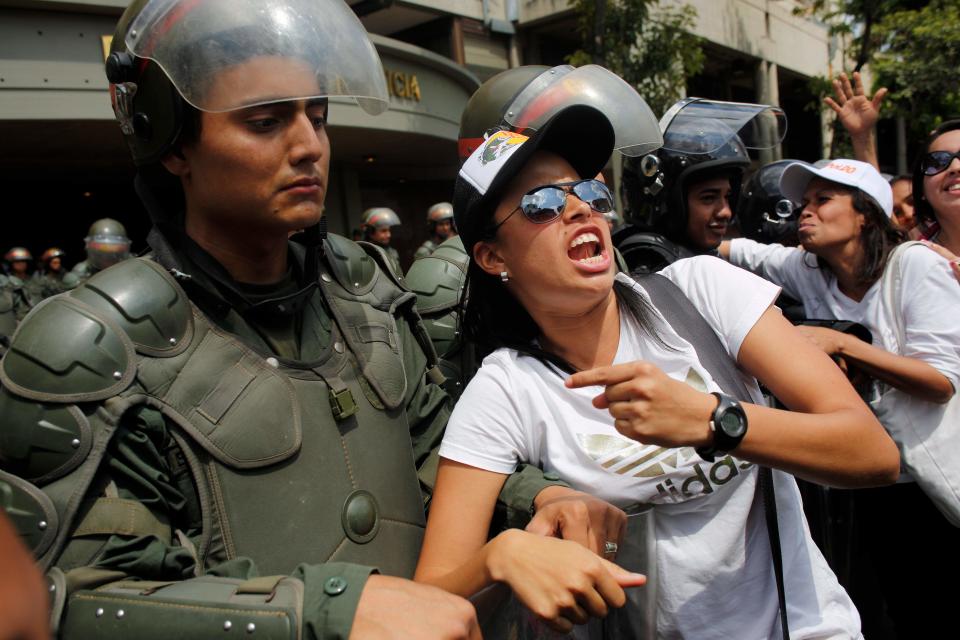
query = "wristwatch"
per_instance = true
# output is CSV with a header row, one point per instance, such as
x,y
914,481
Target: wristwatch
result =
x,y
728,424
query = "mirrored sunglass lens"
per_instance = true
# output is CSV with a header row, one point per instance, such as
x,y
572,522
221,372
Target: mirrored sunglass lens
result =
x,y
543,204
936,161
595,194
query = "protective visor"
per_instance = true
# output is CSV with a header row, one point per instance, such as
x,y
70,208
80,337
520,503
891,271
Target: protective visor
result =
x,y
307,48
695,125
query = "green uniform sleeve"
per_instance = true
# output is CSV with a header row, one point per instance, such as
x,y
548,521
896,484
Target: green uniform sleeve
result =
x,y
141,464
428,408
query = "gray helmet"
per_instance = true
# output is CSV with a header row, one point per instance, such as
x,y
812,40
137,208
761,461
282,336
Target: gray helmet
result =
x,y
523,99
166,53
380,218
106,243
438,212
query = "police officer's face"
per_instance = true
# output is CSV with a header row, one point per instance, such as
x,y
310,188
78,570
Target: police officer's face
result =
x,y
708,212
20,267
381,236
258,170
444,229
54,264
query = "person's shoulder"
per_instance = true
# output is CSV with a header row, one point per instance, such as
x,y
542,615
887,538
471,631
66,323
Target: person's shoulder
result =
x,y
918,262
704,266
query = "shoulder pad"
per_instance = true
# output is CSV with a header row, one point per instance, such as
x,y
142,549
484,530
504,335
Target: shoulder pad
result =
x,y
65,351
31,512
41,442
145,302
438,279
385,263
353,269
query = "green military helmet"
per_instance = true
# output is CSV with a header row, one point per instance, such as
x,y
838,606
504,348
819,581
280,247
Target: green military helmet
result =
x,y
380,218
523,99
106,243
485,109
166,54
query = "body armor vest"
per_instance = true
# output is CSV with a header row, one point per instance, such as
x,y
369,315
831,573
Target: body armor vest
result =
x,y
292,462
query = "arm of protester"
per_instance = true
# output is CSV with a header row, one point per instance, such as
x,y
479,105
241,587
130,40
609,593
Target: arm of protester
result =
x,y
858,114
828,436
558,580
910,375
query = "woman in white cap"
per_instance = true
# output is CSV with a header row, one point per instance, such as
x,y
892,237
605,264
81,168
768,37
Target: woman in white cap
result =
x,y
847,239
586,377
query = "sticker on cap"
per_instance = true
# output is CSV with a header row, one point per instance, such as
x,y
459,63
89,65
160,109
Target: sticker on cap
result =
x,y
485,162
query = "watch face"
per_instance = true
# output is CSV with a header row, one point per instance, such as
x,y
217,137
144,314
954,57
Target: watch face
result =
x,y
733,424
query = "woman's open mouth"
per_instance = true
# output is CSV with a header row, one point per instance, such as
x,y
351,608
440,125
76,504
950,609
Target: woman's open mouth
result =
x,y
587,252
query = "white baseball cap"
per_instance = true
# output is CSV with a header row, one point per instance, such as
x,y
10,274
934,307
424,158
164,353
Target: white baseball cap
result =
x,y
851,173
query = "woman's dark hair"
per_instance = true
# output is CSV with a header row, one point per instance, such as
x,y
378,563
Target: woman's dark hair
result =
x,y
879,237
922,209
493,318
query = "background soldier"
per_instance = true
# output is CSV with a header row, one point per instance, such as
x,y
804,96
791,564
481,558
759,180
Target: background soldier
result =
x,y
377,225
441,225
244,420
52,278
107,244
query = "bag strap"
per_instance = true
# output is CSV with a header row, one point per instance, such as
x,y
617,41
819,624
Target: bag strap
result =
x,y
890,286
690,324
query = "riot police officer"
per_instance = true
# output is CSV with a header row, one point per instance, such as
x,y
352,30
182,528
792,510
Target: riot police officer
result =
x,y
52,277
18,261
679,201
441,225
106,244
378,224
241,417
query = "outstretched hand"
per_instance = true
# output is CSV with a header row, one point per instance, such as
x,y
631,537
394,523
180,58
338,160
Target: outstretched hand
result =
x,y
857,112
649,406
562,583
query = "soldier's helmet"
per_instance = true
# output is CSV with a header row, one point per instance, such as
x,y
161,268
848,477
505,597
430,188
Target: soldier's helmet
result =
x,y
700,137
524,98
765,214
438,212
51,253
380,218
18,254
167,54
106,243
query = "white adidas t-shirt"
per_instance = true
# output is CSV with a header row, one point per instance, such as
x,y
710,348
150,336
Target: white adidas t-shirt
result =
x,y
715,571
929,299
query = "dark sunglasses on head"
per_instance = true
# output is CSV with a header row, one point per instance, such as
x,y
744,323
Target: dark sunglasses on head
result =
x,y
937,161
546,203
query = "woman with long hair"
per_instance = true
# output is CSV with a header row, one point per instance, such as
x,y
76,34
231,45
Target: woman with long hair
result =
x,y
585,377
936,188
847,237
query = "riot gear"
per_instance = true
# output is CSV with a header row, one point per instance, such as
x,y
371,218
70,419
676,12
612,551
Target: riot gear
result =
x,y
380,218
765,214
524,98
107,244
702,139
164,55
376,225
18,254
440,212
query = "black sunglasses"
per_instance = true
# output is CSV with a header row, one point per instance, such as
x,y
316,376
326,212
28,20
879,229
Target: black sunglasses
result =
x,y
937,161
546,203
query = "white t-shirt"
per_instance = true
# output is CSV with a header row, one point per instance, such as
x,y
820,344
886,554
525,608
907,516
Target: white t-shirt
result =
x,y
929,299
715,571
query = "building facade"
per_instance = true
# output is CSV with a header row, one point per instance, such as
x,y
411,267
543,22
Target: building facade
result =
x,y
64,164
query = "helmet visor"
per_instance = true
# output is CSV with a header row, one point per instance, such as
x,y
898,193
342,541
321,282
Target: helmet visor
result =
x,y
634,124
695,125
304,49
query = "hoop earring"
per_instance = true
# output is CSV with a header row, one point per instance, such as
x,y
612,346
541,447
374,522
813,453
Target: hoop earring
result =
x,y
504,277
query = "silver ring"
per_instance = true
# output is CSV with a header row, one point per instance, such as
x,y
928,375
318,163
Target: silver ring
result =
x,y
609,548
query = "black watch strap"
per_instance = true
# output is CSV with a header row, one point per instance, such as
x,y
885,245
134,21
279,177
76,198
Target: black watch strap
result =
x,y
729,425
